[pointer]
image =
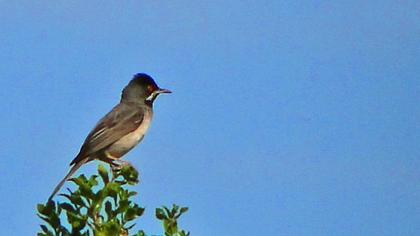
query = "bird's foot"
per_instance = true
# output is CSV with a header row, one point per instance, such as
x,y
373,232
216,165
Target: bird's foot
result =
x,y
117,165
125,169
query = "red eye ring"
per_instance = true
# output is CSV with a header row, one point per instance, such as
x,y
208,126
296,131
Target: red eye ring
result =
x,y
150,88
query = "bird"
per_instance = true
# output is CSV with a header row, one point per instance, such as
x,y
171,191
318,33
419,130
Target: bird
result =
x,y
121,129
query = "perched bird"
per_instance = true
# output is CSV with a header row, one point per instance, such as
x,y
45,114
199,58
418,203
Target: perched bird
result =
x,y
121,129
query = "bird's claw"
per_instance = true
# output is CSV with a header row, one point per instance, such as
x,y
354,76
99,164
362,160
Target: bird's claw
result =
x,y
117,165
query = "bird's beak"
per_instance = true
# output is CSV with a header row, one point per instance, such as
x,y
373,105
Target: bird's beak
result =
x,y
159,91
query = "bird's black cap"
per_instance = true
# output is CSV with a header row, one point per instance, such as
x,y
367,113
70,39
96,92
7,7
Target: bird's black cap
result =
x,y
141,87
143,79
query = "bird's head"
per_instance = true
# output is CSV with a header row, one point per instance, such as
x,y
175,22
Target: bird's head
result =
x,y
142,88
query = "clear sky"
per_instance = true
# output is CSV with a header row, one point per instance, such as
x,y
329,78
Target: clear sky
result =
x,y
287,117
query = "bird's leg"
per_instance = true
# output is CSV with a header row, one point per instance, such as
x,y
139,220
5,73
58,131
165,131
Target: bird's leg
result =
x,y
117,164
114,162
114,166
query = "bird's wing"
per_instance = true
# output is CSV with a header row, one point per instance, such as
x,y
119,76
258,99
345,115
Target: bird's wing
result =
x,y
121,120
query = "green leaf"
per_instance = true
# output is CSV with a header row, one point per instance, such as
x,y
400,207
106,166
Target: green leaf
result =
x,y
183,210
95,206
123,206
174,210
131,194
44,218
41,208
65,232
85,185
54,221
140,233
108,210
103,173
68,207
130,227
77,222
140,210
183,233
130,214
111,228
92,181
80,180
112,190
133,213
130,174
47,209
167,211
75,199
46,230
160,214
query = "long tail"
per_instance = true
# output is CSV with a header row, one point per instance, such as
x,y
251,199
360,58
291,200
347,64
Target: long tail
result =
x,y
71,172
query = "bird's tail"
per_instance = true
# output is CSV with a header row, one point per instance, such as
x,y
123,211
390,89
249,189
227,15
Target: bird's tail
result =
x,y
71,172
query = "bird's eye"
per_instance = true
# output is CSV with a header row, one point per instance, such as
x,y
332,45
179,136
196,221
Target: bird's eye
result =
x,y
150,88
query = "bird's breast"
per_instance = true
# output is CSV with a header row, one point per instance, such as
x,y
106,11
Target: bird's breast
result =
x,y
131,139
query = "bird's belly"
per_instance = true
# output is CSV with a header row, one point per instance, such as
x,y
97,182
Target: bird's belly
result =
x,y
130,140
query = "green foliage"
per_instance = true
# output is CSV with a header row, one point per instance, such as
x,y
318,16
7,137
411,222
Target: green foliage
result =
x,y
102,206
169,219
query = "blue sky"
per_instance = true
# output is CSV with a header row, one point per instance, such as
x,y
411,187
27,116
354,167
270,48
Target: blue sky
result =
x,y
287,117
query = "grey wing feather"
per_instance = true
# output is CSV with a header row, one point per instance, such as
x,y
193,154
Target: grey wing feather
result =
x,y
121,120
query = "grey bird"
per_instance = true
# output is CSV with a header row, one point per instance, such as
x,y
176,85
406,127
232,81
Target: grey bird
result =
x,y
121,129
